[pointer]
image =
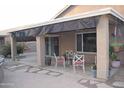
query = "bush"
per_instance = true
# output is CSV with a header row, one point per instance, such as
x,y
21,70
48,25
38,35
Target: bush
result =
x,y
112,54
20,48
5,50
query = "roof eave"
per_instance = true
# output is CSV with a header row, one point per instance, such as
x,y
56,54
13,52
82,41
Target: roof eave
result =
x,y
84,15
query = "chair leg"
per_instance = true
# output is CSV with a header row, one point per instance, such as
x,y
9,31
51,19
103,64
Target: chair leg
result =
x,y
64,65
68,62
56,65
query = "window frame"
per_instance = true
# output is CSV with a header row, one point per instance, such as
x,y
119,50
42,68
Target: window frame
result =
x,y
83,42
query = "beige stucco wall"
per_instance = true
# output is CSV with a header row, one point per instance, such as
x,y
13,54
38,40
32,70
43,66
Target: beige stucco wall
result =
x,y
77,9
67,41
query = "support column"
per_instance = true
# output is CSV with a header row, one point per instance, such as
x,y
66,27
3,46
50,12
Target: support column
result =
x,y
13,47
40,44
103,47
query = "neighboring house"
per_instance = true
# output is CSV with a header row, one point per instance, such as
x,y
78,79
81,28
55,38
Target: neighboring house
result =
x,y
85,29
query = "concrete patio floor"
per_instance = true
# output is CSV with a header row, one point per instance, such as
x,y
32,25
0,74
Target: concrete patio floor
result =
x,y
20,75
26,74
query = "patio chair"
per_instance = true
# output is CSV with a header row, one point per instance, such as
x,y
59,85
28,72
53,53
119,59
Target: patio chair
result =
x,y
59,59
78,60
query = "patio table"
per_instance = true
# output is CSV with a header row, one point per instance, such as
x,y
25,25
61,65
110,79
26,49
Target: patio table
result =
x,y
69,58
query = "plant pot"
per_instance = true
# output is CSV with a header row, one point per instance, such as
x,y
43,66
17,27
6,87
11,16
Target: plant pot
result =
x,y
116,64
48,61
109,73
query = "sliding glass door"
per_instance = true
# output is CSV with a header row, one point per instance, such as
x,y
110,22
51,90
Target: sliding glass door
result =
x,y
52,46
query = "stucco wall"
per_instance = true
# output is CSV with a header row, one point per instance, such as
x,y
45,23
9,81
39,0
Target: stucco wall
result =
x,y
68,42
77,9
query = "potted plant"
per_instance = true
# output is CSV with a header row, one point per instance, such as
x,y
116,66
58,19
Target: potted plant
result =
x,y
117,46
114,58
94,68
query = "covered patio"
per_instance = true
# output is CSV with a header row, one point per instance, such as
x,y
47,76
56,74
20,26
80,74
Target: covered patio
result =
x,y
88,34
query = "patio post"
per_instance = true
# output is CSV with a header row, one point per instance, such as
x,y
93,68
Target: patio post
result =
x,y
13,47
103,47
40,44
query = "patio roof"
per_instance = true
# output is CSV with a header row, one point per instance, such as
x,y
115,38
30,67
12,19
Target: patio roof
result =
x,y
85,20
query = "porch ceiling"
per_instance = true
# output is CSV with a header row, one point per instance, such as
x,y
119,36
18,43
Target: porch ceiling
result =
x,y
87,20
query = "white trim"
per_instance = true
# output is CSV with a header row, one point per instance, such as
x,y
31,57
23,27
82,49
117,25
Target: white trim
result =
x,y
80,16
86,32
54,35
60,12
82,33
117,14
86,52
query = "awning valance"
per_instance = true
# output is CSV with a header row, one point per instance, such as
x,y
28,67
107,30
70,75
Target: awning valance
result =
x,y
69,25
30,34
27,34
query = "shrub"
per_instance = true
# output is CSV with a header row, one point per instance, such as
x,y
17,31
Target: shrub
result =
x,y
112,54
20,48
5,50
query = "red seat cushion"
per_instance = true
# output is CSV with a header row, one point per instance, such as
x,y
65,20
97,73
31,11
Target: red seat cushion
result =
x,y
60,60
78,62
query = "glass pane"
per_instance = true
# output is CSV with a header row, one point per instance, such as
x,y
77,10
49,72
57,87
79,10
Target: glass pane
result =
x,y
89,42
79,42
55,45
47,46
52,45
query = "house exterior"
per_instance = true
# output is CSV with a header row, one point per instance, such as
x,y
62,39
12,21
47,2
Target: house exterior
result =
x,y
84,29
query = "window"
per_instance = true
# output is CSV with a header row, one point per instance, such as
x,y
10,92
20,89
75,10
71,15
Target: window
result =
x,y
86,42
52,46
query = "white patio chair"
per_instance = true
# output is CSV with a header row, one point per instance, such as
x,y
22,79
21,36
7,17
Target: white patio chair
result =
x,y
78,60
59,60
